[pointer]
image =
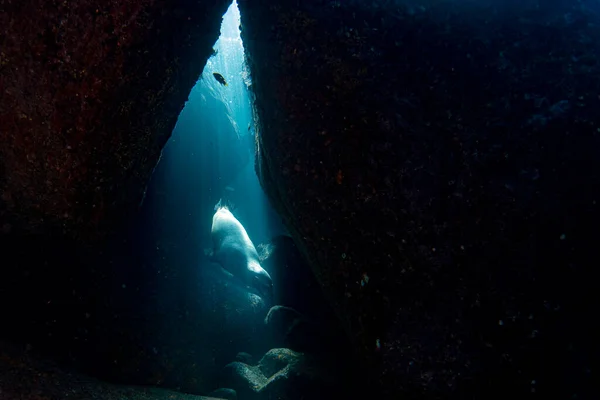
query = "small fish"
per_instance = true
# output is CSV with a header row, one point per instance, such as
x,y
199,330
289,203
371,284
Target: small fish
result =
x,y
220,78
229,188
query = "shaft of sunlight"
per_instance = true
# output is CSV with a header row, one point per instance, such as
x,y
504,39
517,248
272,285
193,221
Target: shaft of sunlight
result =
x,y
252,207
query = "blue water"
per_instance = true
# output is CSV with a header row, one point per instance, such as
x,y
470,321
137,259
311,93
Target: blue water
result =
x,y
242,189
210,155
198,316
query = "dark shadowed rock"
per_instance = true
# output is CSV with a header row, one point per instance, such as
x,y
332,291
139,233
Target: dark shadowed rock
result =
x,y
25,377
284,374
85,114
89,95
435,161
282,318
294,284
437,164
288,328
277,360
246,380
222,393
303,319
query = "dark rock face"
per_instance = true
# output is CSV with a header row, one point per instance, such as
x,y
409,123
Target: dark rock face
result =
x,y
302,320
294,284
89,96
285,374
437,164
25,377
281,322
288,328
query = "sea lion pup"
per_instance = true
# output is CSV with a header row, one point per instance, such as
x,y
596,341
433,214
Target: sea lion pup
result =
x,y
234,251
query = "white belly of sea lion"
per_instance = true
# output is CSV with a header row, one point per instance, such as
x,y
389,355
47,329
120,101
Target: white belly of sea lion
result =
x,y
235,252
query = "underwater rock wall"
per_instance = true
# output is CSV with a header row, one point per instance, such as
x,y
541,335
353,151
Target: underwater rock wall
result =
x,y
143,307
436,162
89,96
23,376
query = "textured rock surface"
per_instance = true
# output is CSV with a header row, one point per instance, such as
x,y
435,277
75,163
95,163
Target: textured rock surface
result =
x,y
288,328
284,374
24,377
89,95
294,284
437,164
302,320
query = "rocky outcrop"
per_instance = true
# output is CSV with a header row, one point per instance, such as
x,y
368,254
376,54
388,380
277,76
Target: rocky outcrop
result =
x,y
294,284
283,374
436,163
288,328
89,95
302,320
26,377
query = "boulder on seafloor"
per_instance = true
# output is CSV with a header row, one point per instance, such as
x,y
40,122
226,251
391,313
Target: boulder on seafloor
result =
x,y
276,361
283,374
283,318
224,393
288,328
294,284
23,375
246,379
